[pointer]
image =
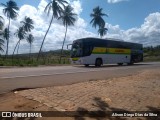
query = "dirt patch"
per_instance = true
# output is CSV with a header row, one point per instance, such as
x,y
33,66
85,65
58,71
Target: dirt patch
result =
x,y
14,102
134,92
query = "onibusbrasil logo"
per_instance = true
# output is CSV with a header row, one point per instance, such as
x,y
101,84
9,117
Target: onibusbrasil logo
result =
x,y
21,114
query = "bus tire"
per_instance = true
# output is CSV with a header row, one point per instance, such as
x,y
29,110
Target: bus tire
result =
x,y
131,63
98,62
120,64
86,65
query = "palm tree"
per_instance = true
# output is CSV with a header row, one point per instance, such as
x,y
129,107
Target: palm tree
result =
x,y
4,36
10,10
68,19
56,7
30,40
1,44
97,17
21,35
102,31
27,24
1,22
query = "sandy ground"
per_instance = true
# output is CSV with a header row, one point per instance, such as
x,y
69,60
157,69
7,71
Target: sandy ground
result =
x,y
139,92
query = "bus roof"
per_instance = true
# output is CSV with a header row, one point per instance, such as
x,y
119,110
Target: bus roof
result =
x,y
110,42
106,39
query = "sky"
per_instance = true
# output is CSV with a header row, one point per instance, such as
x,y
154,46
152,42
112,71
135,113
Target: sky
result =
x,y
129,20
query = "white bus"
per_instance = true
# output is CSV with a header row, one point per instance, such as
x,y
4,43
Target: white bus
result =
x,y
96,51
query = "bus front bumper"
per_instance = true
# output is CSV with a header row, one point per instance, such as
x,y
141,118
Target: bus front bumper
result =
x,y
76,61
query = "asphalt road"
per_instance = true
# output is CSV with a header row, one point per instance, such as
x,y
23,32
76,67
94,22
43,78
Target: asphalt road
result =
x,y
22,78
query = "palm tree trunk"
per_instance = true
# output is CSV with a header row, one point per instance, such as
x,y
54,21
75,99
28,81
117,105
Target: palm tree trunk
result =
x,y
45,36
18,47
7,40
15,49
63,44
30,52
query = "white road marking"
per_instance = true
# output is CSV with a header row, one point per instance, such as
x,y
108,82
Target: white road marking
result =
x,y
49,74
83,71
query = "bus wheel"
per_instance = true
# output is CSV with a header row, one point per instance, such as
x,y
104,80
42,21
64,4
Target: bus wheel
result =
x,y
86,65
98,62
131,63
120,63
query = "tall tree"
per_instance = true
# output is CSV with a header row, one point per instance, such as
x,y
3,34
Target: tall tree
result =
x,y
27,24
97,17
20,33
1,22
102,31
54,6
4,36
30,40
1,44
68,19
10,10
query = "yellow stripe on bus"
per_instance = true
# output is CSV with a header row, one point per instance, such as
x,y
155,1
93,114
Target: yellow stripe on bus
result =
x,y
118,51
99,50
102,50
75,59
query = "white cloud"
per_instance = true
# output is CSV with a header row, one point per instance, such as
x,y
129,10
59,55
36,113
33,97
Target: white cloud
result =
x,y
115,1
147,34
77,7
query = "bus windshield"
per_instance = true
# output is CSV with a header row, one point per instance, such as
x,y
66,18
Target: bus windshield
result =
x,y
76,50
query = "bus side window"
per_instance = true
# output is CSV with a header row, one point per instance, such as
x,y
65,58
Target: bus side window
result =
x,y
88,50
